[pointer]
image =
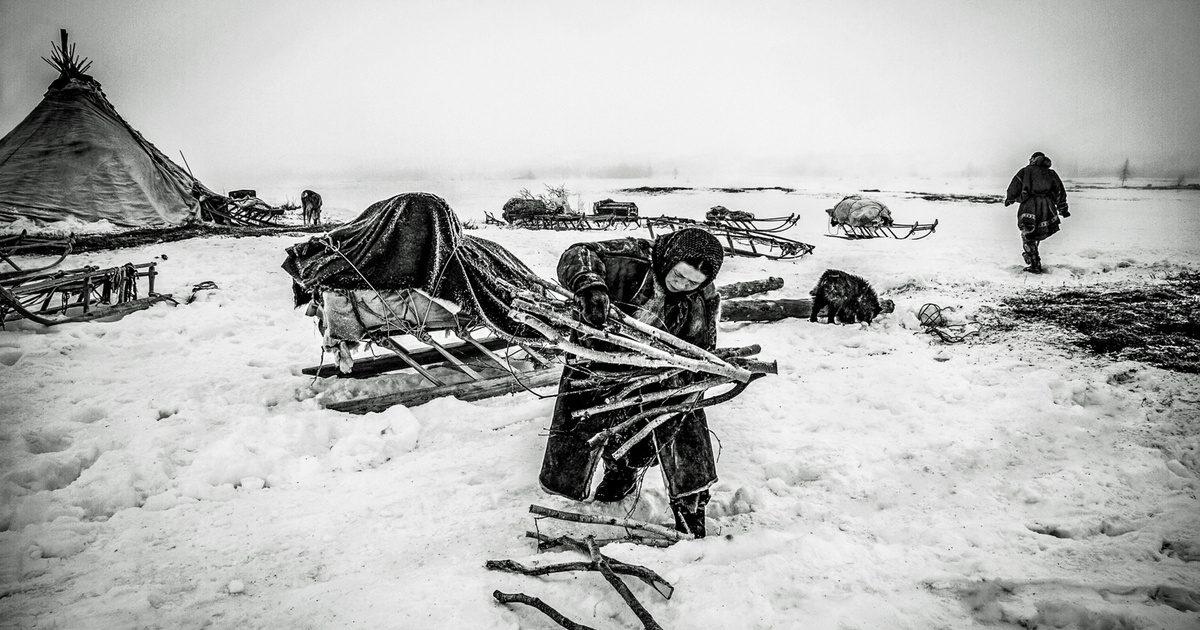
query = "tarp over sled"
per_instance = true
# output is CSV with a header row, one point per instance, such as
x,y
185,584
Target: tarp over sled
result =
x,y
414,241
857,217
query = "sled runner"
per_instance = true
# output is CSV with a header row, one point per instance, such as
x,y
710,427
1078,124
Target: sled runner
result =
x,y
14,245
78,294
901,231
738,241
404,271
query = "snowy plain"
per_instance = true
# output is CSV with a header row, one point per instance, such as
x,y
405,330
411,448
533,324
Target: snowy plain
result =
x,y
175,469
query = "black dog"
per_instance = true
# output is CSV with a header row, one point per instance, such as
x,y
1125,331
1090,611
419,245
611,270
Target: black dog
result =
x,y
850,298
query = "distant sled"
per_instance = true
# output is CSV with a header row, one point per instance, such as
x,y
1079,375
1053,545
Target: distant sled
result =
x,y
720,216
858,217
901,231
739,241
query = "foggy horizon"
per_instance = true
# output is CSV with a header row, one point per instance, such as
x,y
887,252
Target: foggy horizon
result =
x,y
258,91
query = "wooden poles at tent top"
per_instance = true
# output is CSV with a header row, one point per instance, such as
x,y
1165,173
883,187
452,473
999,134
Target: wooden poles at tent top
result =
x,y
64,58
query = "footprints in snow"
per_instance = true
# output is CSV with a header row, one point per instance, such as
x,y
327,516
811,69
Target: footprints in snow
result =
x,y
1086,529
46,440
1058,604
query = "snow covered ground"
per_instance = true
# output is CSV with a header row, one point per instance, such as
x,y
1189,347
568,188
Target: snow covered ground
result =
x,y
175,469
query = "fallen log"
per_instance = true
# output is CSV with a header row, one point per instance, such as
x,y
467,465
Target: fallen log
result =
x,y
748,288
775,310
765,310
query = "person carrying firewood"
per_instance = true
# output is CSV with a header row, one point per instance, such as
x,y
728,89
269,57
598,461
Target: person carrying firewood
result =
x,y
667,283
1043,201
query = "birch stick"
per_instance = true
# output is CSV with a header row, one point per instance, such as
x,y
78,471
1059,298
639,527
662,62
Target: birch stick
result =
x,y
643,615
632,570
522,598
559,343
549,542
714,366
645,398
641,327
641,435
656,581
615,521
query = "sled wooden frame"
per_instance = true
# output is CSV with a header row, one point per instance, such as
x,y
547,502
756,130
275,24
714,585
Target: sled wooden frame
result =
x,y
15,244
740,242
577,222
899,231
467,357
546,312
235,214
78,295
766,225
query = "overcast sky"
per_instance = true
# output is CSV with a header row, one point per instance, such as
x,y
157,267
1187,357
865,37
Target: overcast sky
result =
x,y
260,89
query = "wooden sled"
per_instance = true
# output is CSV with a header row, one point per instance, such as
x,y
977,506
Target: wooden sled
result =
x,y
767,225
577,222
245,211
740,242
900,231
15,245
482,363
78,294
401,323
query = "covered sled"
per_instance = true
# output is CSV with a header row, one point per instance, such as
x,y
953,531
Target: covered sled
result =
x,y
462,313
538,214
856,216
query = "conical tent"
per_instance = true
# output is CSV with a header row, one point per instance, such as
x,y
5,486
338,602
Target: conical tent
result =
x,y
75,157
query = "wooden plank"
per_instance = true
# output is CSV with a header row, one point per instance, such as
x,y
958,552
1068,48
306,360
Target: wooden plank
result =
x,y
371,366
473,390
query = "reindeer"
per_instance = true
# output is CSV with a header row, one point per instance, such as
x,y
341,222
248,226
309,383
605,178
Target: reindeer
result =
x,y
311,202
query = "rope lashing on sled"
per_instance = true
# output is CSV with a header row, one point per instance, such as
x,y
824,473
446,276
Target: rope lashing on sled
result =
x,y
935,323
399,322
392,319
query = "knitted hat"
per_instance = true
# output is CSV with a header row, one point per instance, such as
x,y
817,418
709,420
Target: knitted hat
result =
x,y
693,245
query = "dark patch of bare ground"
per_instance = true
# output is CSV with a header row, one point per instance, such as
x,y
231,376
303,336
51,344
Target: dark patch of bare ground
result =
x,y
655,190
666,190
150,236
1146,187
754,189
951,197
1156,323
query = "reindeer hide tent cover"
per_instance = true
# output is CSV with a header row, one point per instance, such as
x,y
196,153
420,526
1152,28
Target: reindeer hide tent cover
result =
x,y
414,241
74,156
